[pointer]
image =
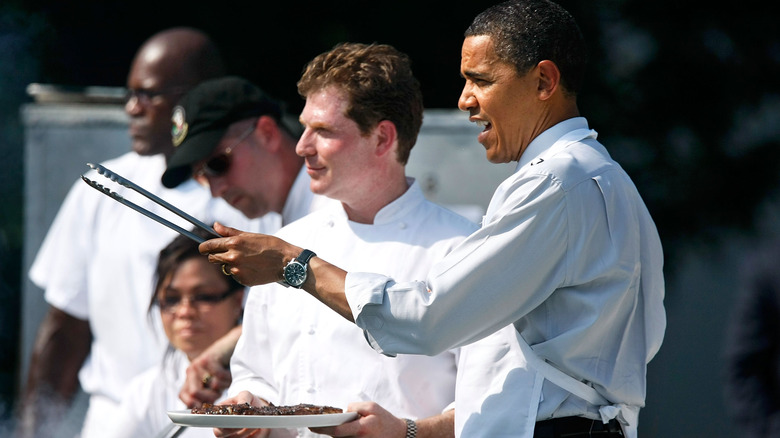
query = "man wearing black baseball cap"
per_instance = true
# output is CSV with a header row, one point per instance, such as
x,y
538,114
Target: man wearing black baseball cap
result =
x,y
230,135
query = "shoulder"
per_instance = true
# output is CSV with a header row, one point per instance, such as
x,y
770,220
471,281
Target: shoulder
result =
x,y
578,162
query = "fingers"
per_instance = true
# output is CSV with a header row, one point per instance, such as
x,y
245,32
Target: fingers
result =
x,y
217,245
226,231
240,433
204,383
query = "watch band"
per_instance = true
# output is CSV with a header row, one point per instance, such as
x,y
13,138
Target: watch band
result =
x,y
411,428
305,256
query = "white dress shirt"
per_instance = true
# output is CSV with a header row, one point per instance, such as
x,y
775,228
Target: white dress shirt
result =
x,y
295,350
97,263
569,254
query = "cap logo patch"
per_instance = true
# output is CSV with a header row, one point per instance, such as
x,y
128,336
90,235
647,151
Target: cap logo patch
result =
x,y
179,126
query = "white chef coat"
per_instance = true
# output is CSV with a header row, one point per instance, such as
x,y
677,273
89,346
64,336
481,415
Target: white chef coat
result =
x,y
97,263
295,350
569,254
149,397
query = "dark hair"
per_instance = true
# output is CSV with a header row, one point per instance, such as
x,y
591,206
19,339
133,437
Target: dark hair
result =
x,y
526,32
379,84
181,249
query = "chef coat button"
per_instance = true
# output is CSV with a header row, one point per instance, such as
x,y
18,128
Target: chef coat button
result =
x,y
402,225
311,390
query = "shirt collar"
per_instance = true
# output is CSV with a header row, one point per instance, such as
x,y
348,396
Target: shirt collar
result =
x,y
397,209
546,139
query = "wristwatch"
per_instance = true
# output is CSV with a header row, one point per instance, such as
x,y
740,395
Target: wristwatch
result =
x,y
295,271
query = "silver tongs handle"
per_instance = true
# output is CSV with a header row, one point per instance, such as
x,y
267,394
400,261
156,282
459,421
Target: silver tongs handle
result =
x,y
102,170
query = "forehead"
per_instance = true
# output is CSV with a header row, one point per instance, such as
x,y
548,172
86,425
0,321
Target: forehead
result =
x,y
327,105
479,53
153,69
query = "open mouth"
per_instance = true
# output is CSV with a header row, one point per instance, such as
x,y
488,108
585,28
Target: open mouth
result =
x,y
486,127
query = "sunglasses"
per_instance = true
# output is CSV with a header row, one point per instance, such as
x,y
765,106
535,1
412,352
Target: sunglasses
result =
x,y
146,97
219,165
202,302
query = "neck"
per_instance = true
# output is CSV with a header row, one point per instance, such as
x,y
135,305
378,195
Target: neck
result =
x,y
363,208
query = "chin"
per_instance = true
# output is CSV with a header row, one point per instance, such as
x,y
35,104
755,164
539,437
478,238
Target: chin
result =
x,y
494,158
145,149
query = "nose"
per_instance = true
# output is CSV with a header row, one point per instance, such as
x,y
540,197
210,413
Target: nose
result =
x,y
133,106
467,100
305,145
217,185
186,307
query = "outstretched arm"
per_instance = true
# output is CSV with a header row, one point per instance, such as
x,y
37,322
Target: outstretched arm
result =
x,y
255,259
61,346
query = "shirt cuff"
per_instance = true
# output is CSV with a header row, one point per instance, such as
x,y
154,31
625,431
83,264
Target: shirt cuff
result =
x,y
362,288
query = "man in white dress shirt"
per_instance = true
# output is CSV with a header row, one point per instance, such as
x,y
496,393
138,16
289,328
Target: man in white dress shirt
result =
x,y
567,253
97,261
362,115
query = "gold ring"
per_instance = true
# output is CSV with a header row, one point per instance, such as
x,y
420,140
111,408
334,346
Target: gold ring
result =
x,y
206,380
225,271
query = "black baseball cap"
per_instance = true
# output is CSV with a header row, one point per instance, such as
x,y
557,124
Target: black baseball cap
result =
x,y
204,114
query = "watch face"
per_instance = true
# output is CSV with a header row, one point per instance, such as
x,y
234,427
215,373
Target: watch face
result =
x,y
295,274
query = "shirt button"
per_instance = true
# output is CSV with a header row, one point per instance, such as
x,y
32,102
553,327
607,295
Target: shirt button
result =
x,y
402,225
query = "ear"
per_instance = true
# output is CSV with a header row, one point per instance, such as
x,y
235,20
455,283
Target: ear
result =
x,y
549,79
387,137
267,131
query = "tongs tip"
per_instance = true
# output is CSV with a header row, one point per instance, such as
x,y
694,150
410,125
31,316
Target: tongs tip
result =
x,y
107,173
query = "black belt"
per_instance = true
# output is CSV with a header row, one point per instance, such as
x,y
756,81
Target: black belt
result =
x,y
576,427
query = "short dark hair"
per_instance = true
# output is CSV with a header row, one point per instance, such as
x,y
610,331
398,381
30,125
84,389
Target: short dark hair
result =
x,y
379,84
526,32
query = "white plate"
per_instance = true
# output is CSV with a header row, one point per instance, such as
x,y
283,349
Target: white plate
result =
x,y
187,418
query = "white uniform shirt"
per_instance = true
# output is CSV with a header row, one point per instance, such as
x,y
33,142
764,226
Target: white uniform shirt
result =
x,y
97,263
294,350
569,254
148,398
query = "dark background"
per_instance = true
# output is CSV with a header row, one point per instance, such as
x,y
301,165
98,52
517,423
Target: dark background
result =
x,y
685,94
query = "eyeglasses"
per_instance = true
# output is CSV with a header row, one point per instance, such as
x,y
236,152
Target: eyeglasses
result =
x,y
146,96
203,302
220,164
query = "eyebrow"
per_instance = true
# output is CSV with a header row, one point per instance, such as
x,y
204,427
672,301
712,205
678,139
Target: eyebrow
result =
x,y
473,74
316,124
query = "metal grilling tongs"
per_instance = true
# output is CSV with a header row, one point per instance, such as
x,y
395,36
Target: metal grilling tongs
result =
x,y
131,185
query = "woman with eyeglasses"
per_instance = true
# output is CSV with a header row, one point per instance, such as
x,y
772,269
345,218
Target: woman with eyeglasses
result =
x,y
197,304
